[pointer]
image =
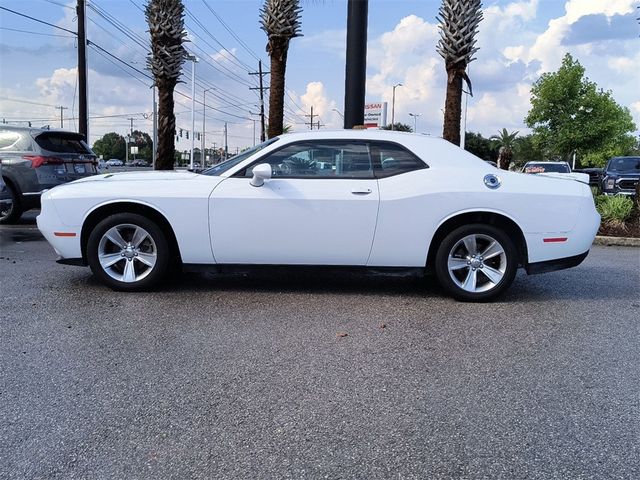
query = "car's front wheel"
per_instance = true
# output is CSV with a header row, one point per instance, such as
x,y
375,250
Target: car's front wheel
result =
x,y
128,252
476,262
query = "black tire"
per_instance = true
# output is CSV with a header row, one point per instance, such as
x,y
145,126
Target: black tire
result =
x,y
154,244
13,213
479,288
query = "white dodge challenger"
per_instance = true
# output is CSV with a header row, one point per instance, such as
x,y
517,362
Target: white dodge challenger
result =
x,y
370,199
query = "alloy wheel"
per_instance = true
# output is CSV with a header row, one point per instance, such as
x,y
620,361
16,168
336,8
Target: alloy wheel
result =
x,y
127,253
477,263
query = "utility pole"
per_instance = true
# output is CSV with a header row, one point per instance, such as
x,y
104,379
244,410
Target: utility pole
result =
x,y
262,88
83,118
311,119
61,116
356,65
226,145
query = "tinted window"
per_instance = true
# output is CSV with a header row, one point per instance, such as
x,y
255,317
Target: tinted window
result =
x,y
625,164
392,159
320,159
237,159
62,143
11,140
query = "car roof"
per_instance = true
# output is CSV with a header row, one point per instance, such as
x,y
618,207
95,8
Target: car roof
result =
x,y
34,131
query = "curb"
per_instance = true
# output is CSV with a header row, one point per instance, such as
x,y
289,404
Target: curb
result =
x,y
617,241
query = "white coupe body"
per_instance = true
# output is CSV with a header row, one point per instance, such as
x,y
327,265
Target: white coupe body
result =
x,y
388,213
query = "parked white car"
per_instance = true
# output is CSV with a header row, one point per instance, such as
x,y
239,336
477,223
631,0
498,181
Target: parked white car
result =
x,y
555,169
114,162
348,198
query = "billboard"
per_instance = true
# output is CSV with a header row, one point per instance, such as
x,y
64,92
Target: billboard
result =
x,y
375,115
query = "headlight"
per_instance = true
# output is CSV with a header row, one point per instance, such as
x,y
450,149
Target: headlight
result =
x,y
610,183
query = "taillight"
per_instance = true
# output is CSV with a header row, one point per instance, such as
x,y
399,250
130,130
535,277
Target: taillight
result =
x,y
38,160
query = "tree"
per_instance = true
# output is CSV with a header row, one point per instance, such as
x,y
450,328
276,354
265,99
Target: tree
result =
x,y
526,150
506,143
166,26
143,141
480,146
569,114
280,19
398,127
459,21
111,145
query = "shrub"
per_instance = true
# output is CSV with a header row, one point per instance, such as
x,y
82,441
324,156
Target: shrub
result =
x,y
616,210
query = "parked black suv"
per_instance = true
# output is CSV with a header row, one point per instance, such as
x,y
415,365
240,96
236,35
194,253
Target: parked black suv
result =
x,y
36,159
621,176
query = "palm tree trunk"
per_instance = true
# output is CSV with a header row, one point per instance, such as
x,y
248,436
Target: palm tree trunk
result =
x,y
279,49
166,127
453,103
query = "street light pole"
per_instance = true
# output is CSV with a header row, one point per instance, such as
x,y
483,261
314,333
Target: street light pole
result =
x,y
193,104
204,108
415,121
393,105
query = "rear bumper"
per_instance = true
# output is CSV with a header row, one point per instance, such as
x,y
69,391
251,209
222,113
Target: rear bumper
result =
x,y
556,264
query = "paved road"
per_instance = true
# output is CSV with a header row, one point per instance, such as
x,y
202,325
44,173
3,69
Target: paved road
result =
x,y
249,377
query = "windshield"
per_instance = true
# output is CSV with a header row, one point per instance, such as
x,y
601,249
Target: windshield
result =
x,y
237,159
544,167
625,164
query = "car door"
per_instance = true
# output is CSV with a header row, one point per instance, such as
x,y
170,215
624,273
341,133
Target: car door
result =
x,y
319,208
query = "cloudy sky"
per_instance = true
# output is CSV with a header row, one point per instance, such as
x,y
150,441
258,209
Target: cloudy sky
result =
x,y
518,41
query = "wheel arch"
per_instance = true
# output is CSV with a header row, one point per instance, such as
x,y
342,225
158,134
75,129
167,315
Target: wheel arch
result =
x,y
511,228
103,211
10,181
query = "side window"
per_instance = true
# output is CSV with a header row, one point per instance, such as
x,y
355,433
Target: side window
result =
x,y
11,140
319,159
392,159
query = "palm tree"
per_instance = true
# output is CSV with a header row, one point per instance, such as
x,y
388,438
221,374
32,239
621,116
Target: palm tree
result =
x,y
280,19
459,21
506,141
166,26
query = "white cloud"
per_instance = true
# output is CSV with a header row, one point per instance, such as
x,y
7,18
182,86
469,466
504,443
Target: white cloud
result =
x,y
577,9
494,111
315,96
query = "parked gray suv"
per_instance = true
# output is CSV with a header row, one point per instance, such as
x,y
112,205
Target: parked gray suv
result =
x,y
36,159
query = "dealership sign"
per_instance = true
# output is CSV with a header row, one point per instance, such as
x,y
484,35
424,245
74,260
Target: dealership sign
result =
x,y
375,114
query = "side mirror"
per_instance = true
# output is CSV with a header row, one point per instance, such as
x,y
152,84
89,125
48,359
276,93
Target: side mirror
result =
x,y
261,173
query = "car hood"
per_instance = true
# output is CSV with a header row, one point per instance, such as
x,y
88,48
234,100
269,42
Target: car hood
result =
x,y
613,173
139,176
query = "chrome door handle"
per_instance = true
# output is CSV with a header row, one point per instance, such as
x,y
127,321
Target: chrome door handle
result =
x,y
356,191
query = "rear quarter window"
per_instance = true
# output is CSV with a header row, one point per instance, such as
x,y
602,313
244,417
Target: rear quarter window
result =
x,y
62,143
11,140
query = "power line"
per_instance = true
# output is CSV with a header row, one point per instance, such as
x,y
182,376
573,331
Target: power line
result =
x,y
39,21
195,19
20,100
35,33
59,4
233,34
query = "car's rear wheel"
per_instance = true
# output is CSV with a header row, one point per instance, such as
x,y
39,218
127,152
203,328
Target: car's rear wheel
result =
x,y
11,210
476,262
128,252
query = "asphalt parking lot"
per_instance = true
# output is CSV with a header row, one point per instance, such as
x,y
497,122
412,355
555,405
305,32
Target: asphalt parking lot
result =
x,y
316,376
